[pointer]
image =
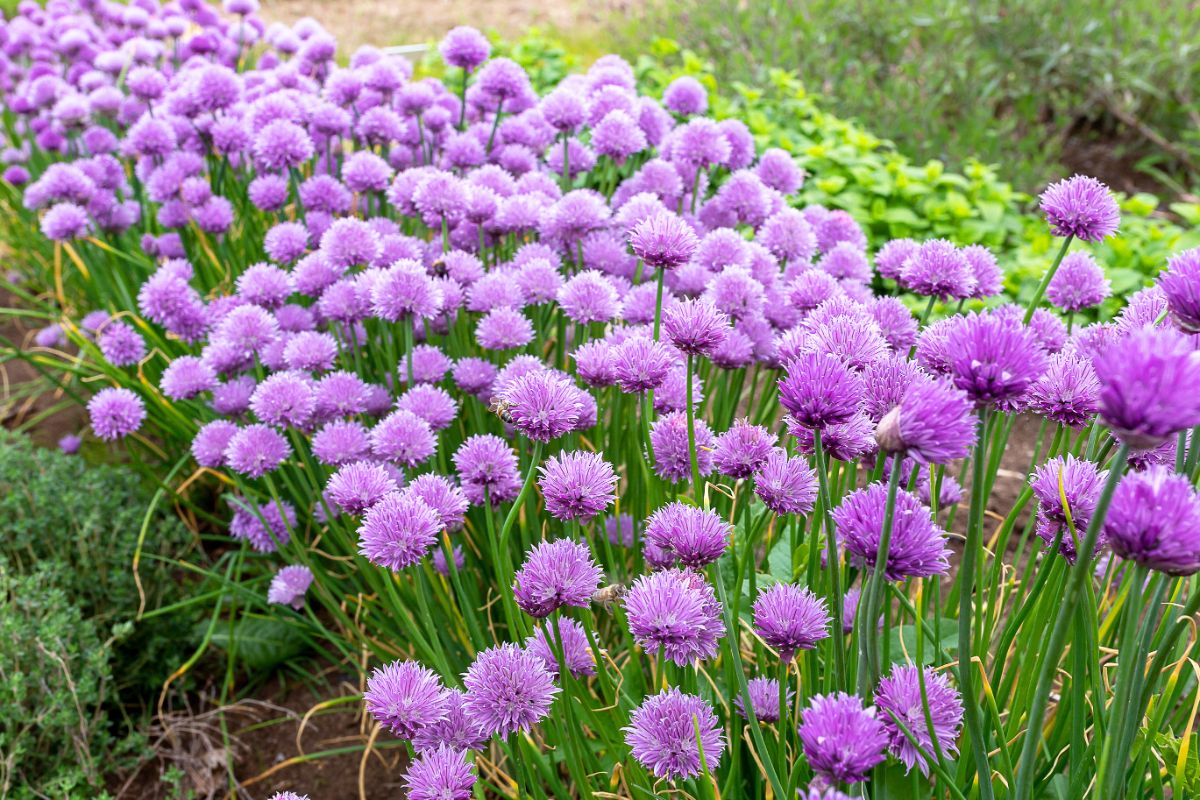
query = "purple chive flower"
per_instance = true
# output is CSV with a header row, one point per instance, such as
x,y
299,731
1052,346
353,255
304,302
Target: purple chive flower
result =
x,y
487,463
211,442
1081,481
1148,386
474,375
695,326
282,145
685,96
786,485
989,281
64,222
790,618
285,398
404,438
842,741
431,403
357,486
640,363
918,546
1079,283
577,485
662,735
838,226
1068,392
404,697
663,241
454,730
788,236
778,169
742,449
764,699
403,291
890,258
694,537
446,499
441,774
398,530
341,442
672,458
556,574
845,261
504,328
542,405
1154,520
899,694
1180,284
186,377
70,444
845,441
994,359
115,413
120,344
589,297
933,423
675,612
289,586
855,341
248,525
464,47
508,690
820,390
577,653
938,269
1081,207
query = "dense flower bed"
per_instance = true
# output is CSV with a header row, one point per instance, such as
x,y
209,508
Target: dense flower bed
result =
x,y
575,403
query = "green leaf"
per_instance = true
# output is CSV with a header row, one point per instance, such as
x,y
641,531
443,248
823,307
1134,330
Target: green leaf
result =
x,y
902,642
261,642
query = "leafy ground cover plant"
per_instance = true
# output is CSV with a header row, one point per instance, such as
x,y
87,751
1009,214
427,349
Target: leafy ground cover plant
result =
x,y
574,403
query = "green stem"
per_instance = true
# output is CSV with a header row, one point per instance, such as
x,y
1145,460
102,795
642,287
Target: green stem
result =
x,y
1049,276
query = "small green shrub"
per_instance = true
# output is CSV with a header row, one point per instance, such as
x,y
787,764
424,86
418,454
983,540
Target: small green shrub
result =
x,y
85,522
55,680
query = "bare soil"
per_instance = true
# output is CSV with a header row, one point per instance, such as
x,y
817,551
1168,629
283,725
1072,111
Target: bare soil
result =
x,y
397,22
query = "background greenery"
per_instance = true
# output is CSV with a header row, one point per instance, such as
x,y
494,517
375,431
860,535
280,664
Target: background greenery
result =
x,y
1022,83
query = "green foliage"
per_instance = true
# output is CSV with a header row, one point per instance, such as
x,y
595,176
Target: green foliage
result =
x,y
85,521
55,677
1013,82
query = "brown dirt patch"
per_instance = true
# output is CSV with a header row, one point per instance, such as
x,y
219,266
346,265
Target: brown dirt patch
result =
x,y
396,22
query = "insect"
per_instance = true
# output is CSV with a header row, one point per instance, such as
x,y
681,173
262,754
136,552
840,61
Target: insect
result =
x,y
609,594
502,409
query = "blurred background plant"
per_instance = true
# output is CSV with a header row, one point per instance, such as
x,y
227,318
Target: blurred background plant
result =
x,y
1043,88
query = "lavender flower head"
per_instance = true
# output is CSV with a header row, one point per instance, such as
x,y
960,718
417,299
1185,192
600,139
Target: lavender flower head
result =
x,y
933,423
1148,384
1068,392
662,735
453,730
742,449
404,696
1180,283
1079,283
464,47
577,652
819,390
899,694
404,438
542,405
1081,207
1154,520
441,774
508,690
577,485
764,699
696,327
289,586
918,546
790,618
675,612
842,740
672,456
663,241
693,536
786,484
357,486
398,530
556,574
993,358
938,269
115,413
